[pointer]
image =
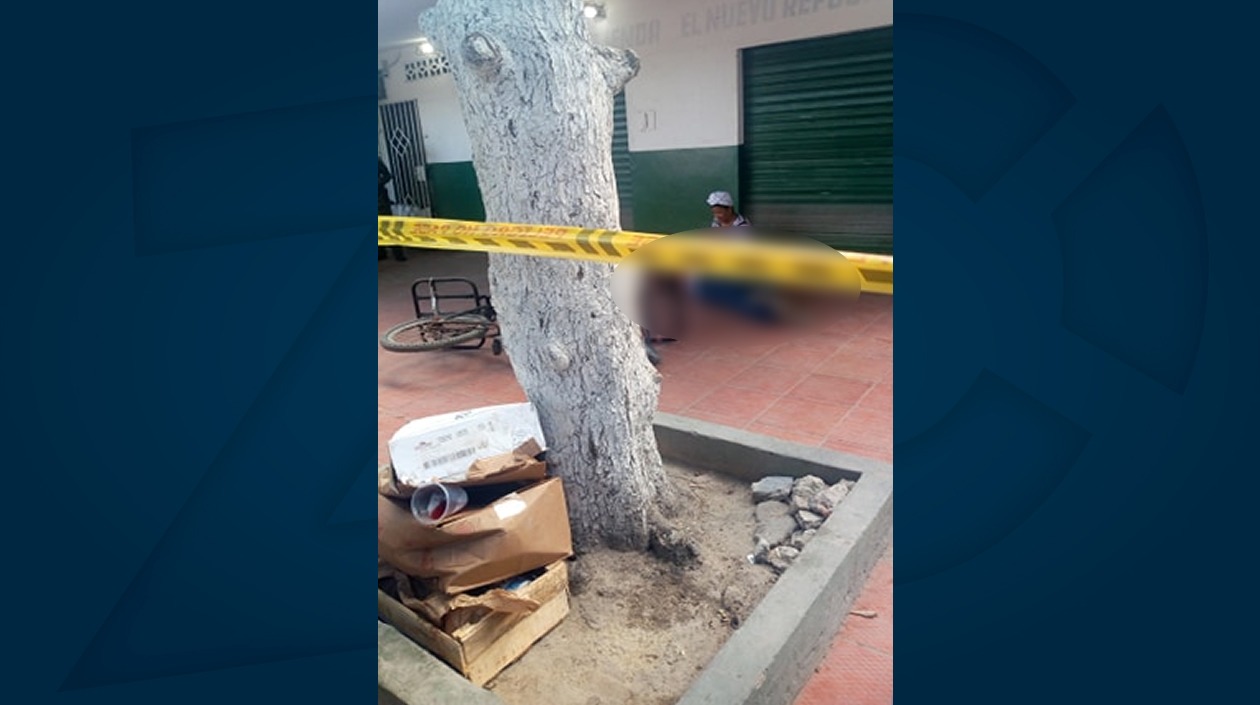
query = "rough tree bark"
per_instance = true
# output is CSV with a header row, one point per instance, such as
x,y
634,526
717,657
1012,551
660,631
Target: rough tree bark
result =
x,y
537,98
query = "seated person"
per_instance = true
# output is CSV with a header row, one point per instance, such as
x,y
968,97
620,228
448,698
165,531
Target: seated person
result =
x,y
723,208
740,296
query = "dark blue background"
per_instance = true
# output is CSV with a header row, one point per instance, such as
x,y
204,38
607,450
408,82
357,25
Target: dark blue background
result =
x,y
190,296
1076,352
190,369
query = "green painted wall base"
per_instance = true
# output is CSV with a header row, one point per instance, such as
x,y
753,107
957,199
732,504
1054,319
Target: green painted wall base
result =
x,y
670,186
455,193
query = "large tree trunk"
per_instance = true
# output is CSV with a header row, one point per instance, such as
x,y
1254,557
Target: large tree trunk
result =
x,y
537,97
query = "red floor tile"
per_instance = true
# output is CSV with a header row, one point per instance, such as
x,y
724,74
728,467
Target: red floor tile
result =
x,y
858,667
877,596
866,450
755,346
385,428
431,370
865,427
882,327
731,420
879,398
740,405
869,346
679,393
768,379
803,416
843,364
493,387
799,356
788,434
716,370
830,390
428,403
846,327
674,358
855,675
871,632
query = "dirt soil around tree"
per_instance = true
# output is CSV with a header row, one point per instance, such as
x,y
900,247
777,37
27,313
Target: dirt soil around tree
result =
x,y
641,630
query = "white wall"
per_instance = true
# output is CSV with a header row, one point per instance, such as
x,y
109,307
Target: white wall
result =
x,y
654,25
445,137
686,99
687,92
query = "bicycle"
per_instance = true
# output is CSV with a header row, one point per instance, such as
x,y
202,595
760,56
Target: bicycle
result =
x,y
435,330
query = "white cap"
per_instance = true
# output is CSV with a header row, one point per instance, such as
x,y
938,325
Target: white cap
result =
x,y
721,198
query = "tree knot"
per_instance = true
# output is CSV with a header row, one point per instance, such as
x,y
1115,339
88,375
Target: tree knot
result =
x,y
481,53
620,65
559,357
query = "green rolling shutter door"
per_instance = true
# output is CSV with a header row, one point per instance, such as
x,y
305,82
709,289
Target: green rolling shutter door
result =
x,y
621,162
818,138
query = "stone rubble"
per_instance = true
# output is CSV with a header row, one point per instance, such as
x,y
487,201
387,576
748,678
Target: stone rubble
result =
x,y
775,523
780,557
808,520
789,513
824,502
805,489
774,487
799,539
769,510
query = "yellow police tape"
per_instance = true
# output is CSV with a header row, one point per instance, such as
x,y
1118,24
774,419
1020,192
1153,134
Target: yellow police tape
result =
x,y
751,259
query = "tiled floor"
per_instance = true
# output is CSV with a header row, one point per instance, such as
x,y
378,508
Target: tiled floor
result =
x,y
828,385
858,668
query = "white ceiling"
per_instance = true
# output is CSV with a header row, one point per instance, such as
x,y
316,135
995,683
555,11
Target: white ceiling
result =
x,y
396,20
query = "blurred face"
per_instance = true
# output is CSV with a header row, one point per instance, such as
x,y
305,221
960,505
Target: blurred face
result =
x,y
723,214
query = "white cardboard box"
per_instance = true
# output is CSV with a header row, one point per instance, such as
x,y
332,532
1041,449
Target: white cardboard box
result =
x,y
443,447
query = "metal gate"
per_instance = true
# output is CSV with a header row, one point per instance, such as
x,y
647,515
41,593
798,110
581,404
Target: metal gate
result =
x,y
818,138
404,154
622,166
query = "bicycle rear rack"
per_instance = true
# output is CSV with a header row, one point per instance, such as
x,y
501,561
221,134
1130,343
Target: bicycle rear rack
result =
x,y
427,291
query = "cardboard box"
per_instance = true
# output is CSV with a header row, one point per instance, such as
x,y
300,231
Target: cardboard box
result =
x,y
440,448
482,647
450,613
518,532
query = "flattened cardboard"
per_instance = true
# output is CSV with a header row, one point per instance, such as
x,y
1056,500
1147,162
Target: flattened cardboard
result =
x,y
516,466
450,612
519,532
426,450
388,486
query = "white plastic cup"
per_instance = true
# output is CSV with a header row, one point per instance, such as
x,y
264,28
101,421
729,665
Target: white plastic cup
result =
x,y
433,503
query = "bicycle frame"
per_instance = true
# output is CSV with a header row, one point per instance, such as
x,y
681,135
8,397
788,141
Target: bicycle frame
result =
x,y
427,291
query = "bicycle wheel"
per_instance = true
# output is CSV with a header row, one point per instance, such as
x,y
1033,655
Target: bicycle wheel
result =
x,y
434,333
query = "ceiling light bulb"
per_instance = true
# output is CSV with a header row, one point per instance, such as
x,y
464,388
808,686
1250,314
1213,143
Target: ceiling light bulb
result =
x,y
425,47
590,11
